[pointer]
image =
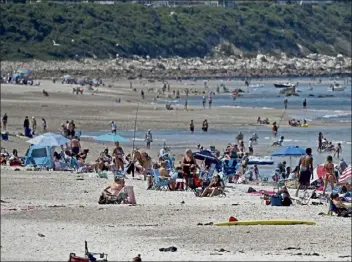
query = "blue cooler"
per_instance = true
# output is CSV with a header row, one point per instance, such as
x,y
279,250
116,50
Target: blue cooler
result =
x,y
5,136
276,200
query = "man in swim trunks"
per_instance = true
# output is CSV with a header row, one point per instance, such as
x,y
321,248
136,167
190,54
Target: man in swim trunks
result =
x,y
306,170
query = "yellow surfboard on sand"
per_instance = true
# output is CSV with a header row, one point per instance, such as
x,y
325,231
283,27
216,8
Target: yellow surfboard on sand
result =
x,y
265,222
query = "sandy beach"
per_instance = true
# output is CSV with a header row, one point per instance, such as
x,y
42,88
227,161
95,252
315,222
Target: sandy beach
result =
x,y
63,205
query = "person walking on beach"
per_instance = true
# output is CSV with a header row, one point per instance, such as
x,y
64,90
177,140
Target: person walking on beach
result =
x,y
285,103
250,146
275,128
113,127
338,150
210,101
204,101
320,142
26,126
148,138
305,166
4,122
34,125
305,104
205,125
191,126
44,125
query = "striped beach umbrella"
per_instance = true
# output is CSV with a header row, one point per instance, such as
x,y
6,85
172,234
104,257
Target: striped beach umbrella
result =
x,y
346,176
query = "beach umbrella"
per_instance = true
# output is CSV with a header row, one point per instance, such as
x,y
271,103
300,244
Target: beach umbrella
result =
x,y
110,137
67,77
49,139
294,151
346,176
208,158
289,151
318,172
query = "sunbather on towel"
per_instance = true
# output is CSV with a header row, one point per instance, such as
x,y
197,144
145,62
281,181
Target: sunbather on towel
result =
x,y
214,188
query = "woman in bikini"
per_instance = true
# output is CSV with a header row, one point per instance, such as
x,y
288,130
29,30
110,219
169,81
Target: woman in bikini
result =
x,y
329,176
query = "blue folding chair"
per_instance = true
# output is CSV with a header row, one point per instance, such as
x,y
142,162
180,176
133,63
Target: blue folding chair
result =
x,y
159,184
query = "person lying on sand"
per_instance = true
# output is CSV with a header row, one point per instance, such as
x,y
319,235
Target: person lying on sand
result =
x,y
214,188
338,207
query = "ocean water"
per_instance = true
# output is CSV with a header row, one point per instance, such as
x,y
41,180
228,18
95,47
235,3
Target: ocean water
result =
x,y
336,108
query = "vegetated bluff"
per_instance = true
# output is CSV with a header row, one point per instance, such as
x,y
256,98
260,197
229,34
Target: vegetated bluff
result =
x,y
102,31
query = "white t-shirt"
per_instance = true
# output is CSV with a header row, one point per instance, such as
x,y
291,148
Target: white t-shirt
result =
x,y
250,143
113,126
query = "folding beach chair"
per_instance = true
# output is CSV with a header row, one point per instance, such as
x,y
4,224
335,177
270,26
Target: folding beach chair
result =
x,y
159,184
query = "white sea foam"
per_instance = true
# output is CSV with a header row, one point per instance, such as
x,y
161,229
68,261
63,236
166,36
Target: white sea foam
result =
x,y
247,107
337,115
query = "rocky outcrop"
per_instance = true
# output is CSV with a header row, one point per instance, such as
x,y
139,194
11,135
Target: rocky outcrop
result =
x,y
259,66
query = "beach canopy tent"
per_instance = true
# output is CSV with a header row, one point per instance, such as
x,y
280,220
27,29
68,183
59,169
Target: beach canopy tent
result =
x,y
49,139
110,137
39,156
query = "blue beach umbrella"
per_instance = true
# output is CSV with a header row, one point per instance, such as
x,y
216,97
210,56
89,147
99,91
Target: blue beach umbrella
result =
x,y
290,151
49,139
110,137
294,151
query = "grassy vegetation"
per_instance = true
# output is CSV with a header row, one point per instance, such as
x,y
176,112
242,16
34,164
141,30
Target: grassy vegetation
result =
x,y
89,30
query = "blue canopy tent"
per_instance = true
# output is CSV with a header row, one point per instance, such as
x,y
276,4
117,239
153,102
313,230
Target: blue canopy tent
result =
x,y
110,137
39,156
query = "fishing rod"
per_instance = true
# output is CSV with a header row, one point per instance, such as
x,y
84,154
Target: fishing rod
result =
x,y
135,127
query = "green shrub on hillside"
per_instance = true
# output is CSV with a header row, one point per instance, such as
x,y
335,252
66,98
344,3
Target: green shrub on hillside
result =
x,y
93,30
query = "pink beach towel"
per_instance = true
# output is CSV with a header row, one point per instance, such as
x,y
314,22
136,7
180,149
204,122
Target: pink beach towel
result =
x,y
130,193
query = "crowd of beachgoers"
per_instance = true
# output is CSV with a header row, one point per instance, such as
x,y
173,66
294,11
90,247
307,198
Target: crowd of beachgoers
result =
x,y
205,172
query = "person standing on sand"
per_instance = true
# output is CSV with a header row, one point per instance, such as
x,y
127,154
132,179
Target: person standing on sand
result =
x,y
329,176
26,126
4,121
44,125
205,125
305,104
285,103
113,127
142,94
210,101
191,126
275,128
305,166
148,138
34,125
204,101
186,104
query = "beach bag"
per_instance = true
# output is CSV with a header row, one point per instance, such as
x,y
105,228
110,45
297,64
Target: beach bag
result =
x,y
276,200
251,190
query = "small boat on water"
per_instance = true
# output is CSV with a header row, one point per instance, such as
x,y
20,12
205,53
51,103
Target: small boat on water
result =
x,y
256,86
283,85
336,87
